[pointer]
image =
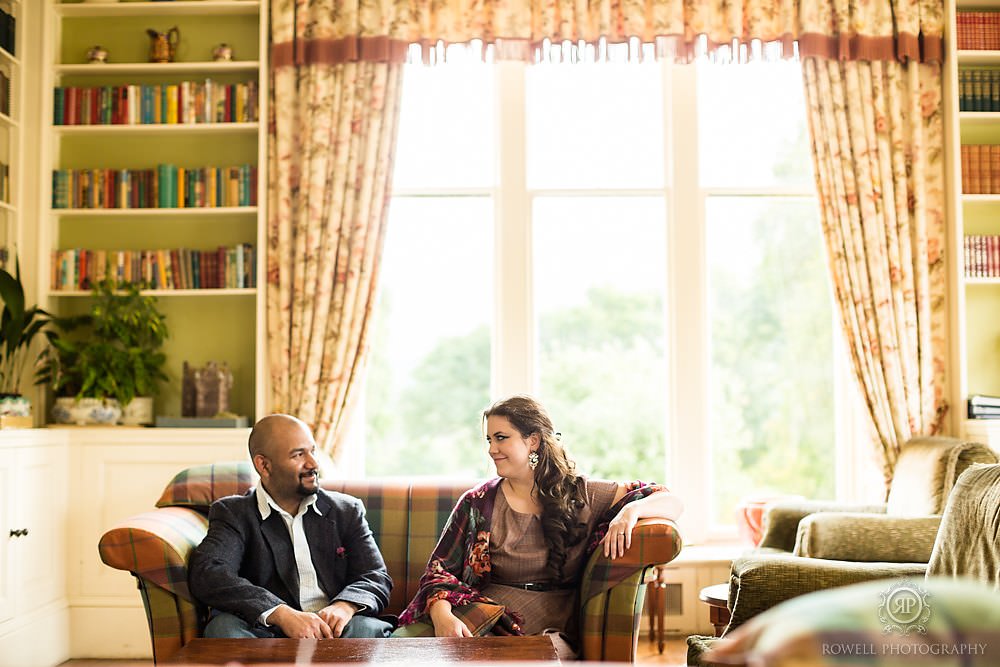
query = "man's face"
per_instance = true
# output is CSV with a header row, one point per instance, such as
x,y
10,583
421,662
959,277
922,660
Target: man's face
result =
x,y
292,469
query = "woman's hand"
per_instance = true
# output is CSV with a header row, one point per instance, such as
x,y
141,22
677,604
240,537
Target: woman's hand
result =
x,y
446,624
619,536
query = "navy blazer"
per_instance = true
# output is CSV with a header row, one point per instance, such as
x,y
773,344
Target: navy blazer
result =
x,y
246,565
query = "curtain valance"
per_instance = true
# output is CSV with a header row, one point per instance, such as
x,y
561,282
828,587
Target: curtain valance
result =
x,y
309,31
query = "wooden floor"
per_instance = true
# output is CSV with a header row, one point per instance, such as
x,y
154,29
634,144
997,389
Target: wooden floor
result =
x,y
674,655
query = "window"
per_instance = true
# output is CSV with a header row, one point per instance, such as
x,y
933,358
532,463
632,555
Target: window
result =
x,y
636,245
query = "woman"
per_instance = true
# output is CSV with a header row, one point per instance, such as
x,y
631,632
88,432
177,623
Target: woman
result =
x,y
521,540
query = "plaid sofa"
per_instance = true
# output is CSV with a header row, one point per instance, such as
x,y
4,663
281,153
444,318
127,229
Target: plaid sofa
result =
x,y
406,518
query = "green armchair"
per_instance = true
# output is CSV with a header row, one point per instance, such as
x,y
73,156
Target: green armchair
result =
x,y
814,546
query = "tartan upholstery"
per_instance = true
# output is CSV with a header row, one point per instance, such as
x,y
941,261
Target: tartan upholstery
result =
x,y
406,519
385,509
199,486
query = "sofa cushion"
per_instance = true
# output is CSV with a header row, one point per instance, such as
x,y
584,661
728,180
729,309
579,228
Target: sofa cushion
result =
x,y
199,486
385,509
853,626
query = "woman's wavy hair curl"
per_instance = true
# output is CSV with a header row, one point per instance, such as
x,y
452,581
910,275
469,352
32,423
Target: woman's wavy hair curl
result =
x,y
561,491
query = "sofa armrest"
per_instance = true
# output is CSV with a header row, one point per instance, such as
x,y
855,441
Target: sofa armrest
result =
x,y
758,583
156,546
612,591
654,542
781,520
867,537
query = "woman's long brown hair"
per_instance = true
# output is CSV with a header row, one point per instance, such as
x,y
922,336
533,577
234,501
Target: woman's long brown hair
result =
x,y
561,491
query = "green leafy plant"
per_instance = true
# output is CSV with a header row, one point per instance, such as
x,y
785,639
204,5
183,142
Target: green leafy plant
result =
x,y
18,328
115,351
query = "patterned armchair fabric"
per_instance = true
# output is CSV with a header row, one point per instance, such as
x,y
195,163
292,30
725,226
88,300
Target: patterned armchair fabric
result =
x,y
406,519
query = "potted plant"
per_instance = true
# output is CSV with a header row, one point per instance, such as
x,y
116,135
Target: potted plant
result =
x,y
111,356
18,328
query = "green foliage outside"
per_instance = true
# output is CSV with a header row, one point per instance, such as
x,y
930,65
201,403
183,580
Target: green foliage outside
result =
x,y
772,405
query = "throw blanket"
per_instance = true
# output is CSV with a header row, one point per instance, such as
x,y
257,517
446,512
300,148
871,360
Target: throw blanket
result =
x,y
968,542
460,566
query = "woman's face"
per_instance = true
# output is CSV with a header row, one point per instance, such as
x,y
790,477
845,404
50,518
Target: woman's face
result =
x,y
508,449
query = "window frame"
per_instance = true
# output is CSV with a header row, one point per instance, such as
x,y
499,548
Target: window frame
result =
x,y
686,418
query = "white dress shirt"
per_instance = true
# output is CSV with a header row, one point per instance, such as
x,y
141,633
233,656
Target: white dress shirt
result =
x,y
311,596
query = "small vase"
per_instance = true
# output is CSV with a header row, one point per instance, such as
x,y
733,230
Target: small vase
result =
x,y
86,411
139,412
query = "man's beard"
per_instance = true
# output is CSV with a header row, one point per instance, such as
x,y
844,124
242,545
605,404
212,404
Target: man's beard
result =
x,y
301,488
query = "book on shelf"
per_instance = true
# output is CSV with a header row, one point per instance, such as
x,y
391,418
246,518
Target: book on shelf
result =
x,y
983,407
231,267
977,31
184,103
166,186
980,168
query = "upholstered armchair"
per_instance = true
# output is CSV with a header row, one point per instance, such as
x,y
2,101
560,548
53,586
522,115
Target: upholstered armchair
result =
x,y
812,546
902,530
966,547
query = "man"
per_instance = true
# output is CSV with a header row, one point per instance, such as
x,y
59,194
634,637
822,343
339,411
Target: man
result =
x,y
289,559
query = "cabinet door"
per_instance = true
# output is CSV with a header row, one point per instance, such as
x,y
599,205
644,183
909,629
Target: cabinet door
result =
x,y
7,543
41,483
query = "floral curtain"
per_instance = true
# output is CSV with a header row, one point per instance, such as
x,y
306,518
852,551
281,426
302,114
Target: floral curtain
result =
x,y
383,29
333,131
878,152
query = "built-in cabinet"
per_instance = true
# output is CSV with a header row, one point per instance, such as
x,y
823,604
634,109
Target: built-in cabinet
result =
x,y
155,172
972,137
34,522
11,127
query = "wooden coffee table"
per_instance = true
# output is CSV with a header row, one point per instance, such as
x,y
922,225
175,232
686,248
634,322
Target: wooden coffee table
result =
x,y
429,650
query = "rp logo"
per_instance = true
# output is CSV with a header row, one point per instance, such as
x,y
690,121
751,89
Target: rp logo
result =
x,y
904,608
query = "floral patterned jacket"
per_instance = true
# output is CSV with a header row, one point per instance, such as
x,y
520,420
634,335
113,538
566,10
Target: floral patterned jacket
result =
x,y
460,566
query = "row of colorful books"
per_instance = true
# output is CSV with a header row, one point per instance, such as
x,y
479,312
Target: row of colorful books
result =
x,y
980,168
982,256
978,30
185,102
178,268
8,31
166,186
979,90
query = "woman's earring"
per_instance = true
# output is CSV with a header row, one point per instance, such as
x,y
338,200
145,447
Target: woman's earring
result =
x,y
533,460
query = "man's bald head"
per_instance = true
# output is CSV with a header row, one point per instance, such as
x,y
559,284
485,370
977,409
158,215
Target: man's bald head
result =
x,y
271,430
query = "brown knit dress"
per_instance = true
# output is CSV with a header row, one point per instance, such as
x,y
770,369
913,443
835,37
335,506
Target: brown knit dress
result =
x,y
518,553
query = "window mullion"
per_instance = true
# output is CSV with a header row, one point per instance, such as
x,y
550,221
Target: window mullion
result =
x,y
689,455
514,330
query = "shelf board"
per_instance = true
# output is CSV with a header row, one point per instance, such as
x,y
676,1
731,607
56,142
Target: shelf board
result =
x,y
159,128
964,5
978,117
8,57
234,291
978,57
7,121
187,7
153,212
158,68
982,199
981,281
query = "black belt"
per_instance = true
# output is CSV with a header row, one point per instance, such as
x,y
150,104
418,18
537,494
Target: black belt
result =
x,y
541,587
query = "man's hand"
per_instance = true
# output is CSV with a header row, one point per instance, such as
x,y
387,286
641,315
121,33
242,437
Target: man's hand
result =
x,y
446,624
300,624
337,615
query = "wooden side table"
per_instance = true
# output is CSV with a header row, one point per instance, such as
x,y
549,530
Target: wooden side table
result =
x,y
656,591
717,598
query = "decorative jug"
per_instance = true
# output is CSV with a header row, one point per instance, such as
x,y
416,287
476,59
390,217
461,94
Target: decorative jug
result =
x,y
163,45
